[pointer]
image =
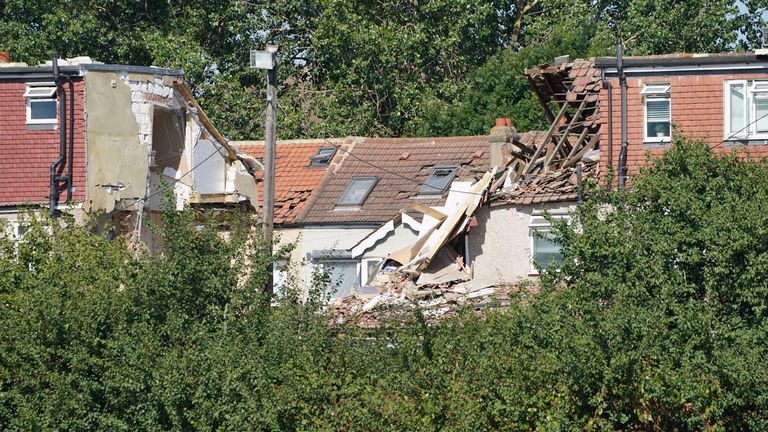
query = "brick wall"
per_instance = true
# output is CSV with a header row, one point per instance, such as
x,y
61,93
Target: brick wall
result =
x,y
697,109
26,155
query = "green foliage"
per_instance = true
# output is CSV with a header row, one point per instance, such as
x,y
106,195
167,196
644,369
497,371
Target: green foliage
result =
x,y
655,321
386,68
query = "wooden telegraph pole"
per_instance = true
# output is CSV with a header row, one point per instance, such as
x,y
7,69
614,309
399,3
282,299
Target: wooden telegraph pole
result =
x,y
268,60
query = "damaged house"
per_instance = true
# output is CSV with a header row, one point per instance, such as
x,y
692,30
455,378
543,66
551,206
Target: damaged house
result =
x,y
89,139
340,200
500,220
608,116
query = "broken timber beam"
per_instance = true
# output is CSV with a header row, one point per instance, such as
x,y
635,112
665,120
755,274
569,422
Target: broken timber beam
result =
x,y
563,138
544,104
540,148
421,208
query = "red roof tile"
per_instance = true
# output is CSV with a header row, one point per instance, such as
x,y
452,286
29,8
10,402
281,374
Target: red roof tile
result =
x,y
295,180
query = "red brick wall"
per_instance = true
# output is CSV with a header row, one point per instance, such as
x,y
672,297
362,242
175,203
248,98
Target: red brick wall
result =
x,y
26,155
697,109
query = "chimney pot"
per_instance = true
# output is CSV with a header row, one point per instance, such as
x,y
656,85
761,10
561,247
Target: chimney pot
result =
x,y
508,122
501,122
5,57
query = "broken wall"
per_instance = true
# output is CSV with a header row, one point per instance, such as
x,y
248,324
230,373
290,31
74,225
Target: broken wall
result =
x,y
127,115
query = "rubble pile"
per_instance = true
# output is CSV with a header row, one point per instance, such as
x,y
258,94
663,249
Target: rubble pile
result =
x,y
435,302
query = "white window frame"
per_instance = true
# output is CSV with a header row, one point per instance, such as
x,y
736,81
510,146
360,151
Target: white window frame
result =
x,y
41,92
727,108
364,275
652,92
539,224
752,88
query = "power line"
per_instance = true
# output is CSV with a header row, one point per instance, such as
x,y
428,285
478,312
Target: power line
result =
x,y
733,135
338,147
148,196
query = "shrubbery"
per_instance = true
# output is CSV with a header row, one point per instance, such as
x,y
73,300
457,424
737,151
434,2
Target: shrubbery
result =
x,y
657,320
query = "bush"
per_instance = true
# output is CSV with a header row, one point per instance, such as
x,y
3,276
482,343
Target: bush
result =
x,y
655,321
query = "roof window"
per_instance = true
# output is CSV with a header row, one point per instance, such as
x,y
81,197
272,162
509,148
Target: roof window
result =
x,y
323,157
357,191
438,181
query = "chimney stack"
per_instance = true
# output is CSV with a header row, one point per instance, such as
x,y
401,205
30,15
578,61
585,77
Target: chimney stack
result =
x,y
501,135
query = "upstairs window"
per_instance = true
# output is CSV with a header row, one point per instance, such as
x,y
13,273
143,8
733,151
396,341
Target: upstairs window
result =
x,y
658,113
41,104
323,157
438,181
746,109
357,191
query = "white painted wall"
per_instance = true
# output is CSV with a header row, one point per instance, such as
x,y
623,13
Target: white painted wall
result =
x,y
500,244
324,238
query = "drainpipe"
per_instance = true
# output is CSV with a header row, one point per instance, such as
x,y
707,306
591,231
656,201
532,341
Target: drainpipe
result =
x,y
609,86
62,136
71,156
623,84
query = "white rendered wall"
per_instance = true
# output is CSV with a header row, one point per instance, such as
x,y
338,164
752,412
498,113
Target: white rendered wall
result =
x,y
500,244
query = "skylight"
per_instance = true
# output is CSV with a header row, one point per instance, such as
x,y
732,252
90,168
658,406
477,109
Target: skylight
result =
x,y
323,157
358,191
438,181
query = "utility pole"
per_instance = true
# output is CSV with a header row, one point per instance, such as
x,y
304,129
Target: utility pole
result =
x,y
267,60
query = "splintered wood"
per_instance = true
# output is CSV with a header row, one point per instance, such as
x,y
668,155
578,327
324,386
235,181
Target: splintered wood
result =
x,y
573,90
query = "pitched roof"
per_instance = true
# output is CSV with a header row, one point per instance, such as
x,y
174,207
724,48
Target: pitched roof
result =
x,y
402,165
295,179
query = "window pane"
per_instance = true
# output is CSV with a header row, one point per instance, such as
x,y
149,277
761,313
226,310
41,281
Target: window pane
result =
x,y
344,277
358,191
657,113
761,114
43,110
545,251
438,181
738,116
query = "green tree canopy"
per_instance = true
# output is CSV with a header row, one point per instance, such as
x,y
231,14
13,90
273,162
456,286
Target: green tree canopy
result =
x,y
370,68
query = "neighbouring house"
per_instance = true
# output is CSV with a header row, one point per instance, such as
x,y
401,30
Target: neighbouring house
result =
x,y
719,98
300,166
369,182
95,139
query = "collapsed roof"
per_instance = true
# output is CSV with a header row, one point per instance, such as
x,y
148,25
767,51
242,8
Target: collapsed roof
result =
x,y
538,167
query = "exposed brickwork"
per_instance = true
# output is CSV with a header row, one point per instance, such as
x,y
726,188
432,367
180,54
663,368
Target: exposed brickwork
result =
x,y
697,109
26,155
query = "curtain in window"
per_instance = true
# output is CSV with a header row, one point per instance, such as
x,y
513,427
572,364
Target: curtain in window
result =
x,y
545,251
658,118
761,113
738,115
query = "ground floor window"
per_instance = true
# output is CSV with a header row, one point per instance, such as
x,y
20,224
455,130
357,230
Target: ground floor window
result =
x,y
544,250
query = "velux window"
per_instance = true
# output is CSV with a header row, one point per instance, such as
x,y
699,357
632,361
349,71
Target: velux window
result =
x,y
746,109
41,104
658,113
323,157
438,181
357,191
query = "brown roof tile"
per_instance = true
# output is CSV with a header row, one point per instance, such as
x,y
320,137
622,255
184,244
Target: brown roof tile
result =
x,y
399,179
